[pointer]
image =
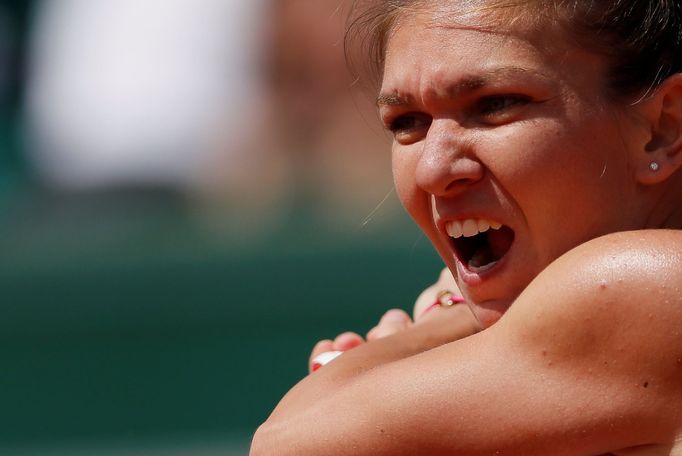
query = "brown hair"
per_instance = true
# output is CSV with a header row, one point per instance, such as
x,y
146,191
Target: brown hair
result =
x,y
642,38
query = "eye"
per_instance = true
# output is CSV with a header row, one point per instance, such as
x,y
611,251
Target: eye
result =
x,y
500,105
408,128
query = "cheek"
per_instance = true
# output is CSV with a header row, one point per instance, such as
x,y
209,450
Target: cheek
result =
x,y
564,177
415,201
403,177
538,159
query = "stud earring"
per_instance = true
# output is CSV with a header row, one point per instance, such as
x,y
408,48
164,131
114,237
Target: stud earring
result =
x,y
654,166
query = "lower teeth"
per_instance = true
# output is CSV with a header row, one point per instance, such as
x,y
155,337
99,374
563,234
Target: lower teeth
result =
x,y
483,251
482,258
485,267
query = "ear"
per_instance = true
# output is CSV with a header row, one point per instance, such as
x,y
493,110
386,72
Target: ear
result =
x,y
662,155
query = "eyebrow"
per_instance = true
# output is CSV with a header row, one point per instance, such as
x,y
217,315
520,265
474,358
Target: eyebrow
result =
x,y
466,85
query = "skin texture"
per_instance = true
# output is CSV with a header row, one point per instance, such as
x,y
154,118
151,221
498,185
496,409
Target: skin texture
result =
x,y
582,351
397,320
541,381
464,157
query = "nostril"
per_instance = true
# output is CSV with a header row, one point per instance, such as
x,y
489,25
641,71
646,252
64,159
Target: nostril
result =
x,y
464,172
447,163
454,185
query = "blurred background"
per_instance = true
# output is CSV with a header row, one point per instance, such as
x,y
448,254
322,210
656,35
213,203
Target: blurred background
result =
x,y
192,193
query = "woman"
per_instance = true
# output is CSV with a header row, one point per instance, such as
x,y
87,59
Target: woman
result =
x,y
556,126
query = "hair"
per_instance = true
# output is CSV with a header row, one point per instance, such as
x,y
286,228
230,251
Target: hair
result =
x,y
641,38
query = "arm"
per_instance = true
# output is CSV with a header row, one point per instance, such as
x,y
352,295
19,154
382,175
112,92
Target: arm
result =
x,y
461,323
587,361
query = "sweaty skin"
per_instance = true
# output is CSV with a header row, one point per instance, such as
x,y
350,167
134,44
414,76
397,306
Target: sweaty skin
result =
x,y
582,351
601,378
397,320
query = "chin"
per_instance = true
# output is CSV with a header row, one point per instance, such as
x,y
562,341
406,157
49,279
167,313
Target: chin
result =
x,y
489,312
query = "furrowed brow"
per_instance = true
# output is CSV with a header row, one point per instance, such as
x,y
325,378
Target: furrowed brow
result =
x,y
472,83
467,85
393,99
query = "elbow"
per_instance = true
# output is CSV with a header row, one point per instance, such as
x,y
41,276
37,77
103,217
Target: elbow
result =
x,y
267,441
259,443
282,438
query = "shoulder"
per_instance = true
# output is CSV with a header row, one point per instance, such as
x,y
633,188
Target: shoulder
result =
x,y
626,283
610,312
637,271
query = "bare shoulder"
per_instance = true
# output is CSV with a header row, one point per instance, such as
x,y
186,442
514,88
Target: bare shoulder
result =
x,y
621,275
588,360
610,312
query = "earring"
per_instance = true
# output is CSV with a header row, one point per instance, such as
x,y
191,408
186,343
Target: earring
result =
x,y
654,166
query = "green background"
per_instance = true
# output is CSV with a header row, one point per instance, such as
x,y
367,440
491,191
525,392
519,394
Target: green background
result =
x,y
132,328
127,327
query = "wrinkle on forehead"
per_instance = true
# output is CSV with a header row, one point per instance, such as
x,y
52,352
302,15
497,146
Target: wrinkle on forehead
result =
x,y
467,84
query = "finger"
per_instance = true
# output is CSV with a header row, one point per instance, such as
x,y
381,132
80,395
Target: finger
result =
x,y
320,347
393,321
424,301
346,341
445,281
323,359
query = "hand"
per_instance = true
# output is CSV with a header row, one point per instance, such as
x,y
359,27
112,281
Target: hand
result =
x,y
391,322
430,295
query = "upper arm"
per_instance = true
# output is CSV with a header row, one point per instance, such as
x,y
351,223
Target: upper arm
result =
x,y
587,360
601,328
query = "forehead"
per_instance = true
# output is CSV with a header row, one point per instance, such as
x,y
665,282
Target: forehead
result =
x,y
422,42
465,46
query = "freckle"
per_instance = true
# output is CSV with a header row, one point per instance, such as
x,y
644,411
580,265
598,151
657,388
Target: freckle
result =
x,y
544,352
646,384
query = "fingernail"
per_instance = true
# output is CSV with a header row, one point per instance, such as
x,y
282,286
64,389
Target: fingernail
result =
x,y
323,358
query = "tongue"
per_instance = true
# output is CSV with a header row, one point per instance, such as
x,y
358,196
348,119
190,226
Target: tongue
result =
x,y
497,245
482,257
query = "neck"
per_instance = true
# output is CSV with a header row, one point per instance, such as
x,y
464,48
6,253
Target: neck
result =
x,y
674,222
667,212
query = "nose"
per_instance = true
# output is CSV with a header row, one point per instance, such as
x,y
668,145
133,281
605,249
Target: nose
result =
x,y
447,165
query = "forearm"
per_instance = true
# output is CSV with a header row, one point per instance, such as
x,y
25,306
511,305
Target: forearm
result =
x,y
334,410
443,326
574,367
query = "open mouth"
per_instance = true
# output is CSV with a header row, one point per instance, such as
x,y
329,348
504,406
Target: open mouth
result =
x,y
480,244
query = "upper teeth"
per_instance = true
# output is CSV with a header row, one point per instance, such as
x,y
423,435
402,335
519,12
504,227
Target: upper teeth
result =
x,y
470,227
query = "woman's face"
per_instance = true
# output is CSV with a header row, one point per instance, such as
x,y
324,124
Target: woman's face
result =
x,y
508,131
